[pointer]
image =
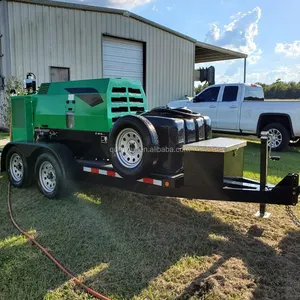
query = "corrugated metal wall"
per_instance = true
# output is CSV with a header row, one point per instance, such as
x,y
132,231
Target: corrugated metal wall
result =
x,y
43,36
1,62
5,57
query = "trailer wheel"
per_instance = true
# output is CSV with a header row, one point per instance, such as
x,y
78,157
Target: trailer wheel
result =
x,y
19,171
133,145
49,175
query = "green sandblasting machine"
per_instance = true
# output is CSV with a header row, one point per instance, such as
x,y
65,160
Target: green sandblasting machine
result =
x,y
78,106
107,120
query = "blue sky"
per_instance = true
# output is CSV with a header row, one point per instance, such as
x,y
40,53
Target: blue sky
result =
x,y
267,30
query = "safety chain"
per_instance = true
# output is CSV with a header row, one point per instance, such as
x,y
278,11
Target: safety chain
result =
x,y
292,216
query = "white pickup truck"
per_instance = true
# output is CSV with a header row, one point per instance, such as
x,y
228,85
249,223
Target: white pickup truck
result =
x,y
240,108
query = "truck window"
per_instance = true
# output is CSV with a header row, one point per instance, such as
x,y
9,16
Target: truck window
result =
x,y
230,93
210,95
255,93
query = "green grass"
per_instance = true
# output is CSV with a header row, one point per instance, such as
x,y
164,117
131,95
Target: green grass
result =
x,y
289,160
130,246
3,135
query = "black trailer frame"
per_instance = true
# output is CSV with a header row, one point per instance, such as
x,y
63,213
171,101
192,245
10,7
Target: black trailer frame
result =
x,y
235,189
213,170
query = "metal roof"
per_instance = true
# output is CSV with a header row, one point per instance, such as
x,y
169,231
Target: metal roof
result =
x,y
122,12
206,53
203,52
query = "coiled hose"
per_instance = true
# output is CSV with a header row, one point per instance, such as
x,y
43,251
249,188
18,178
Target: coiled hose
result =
x,y
55,261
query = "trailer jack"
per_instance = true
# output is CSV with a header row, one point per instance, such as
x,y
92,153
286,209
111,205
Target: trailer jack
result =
x,y
262,213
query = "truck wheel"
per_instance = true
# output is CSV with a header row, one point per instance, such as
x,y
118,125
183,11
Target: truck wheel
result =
x,y
49,175
133,145
19,172
280,137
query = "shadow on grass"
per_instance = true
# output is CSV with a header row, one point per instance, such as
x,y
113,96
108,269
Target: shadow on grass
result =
x,y
137,237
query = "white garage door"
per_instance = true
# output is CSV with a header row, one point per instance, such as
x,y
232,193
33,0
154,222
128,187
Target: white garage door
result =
x,y
122,58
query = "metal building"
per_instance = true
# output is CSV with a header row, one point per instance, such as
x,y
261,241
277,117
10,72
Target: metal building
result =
x,y
62,41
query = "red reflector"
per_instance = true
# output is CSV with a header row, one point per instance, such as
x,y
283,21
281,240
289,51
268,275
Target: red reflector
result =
x,y
148,180
94,170
111,173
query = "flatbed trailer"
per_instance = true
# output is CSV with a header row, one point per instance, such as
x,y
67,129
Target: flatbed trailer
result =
x,y
213,170
103,127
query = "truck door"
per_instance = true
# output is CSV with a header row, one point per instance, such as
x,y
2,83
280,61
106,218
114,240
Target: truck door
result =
x,y
206,103
229,109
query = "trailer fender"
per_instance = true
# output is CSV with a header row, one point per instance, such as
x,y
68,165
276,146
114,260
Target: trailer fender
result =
x,y
31,151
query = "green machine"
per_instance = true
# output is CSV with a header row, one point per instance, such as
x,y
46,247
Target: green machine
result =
x,y
81,106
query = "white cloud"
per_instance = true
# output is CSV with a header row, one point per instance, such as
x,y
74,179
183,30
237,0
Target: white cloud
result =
x,y
292,49
291,73
169,8
253,59
122,4
239,34
154,8
127,4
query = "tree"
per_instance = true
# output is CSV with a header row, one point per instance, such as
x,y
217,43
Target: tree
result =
x,y
12,85
200,87
282,90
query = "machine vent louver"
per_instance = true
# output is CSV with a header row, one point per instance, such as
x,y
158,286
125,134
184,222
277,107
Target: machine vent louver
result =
x,y
138,109
119,109
121,90
44,89
120,99
134,91
137,100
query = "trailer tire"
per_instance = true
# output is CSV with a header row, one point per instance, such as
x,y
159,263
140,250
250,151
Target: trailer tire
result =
x,y
133,145
281,136
20,173
49,175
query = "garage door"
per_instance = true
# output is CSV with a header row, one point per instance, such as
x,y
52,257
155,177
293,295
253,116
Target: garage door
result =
x,y
122,58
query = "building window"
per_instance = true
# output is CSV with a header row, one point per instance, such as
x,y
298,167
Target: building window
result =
x,y
59,74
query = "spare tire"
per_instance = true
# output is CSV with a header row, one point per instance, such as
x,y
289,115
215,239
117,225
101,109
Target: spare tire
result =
x,y
133,144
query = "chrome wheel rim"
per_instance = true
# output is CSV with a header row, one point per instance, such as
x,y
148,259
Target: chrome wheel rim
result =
x,y
275,138
129,148
16,167
47,177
